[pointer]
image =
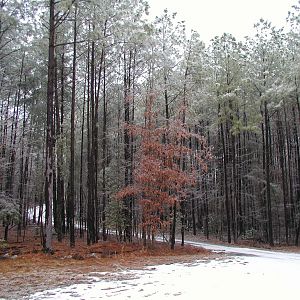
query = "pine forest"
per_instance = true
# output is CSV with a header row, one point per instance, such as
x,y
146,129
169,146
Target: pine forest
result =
x,y
114,125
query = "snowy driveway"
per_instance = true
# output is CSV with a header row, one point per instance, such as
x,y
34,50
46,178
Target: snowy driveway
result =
x,y
244,274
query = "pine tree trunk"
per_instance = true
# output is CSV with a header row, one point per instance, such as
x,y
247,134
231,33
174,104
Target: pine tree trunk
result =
x,y
225,180
49,137
291,211
282,156
173,226
13,137
127,148
59,196
193,212
267,174
296,138
6,232
71,198
22,180
91,236
60,178
104,149
206,220
103,187
239,194
81,220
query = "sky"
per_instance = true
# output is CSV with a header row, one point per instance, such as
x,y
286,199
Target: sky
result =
x,y
214,17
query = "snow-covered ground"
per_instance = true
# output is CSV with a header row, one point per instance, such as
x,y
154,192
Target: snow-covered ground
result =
x,y
244,274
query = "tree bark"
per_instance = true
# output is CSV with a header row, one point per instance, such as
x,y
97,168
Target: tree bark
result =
x,y
49,136
225,179
282,155
127,150
267,174
104,150
71,198
91,236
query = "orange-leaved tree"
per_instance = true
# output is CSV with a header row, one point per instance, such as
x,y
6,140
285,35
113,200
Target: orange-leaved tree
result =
x,y
166,169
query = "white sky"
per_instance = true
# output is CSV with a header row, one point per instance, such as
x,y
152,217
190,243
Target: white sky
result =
x,y
214,17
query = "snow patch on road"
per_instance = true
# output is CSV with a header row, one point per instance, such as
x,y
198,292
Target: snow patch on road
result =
x,y
247,251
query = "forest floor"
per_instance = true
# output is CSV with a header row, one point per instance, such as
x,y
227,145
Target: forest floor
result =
x,y
25,269
242,273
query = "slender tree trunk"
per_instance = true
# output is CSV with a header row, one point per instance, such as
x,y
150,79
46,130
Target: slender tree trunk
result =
x,y
267,175
193,208
206,227
91,237
283,174
132,139
81,221
49,137
6,231
55,142
14,130
239,194
97,99
71,198
291,212
104,150
95,143
225,179
296,138
234,178
127,152
60,205
59,181
173,227
183,201
22,180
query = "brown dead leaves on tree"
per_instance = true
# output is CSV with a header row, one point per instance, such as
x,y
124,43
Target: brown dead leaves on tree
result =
x,y
171,158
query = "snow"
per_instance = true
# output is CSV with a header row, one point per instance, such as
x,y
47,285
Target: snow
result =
x,y
248,251
243,274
